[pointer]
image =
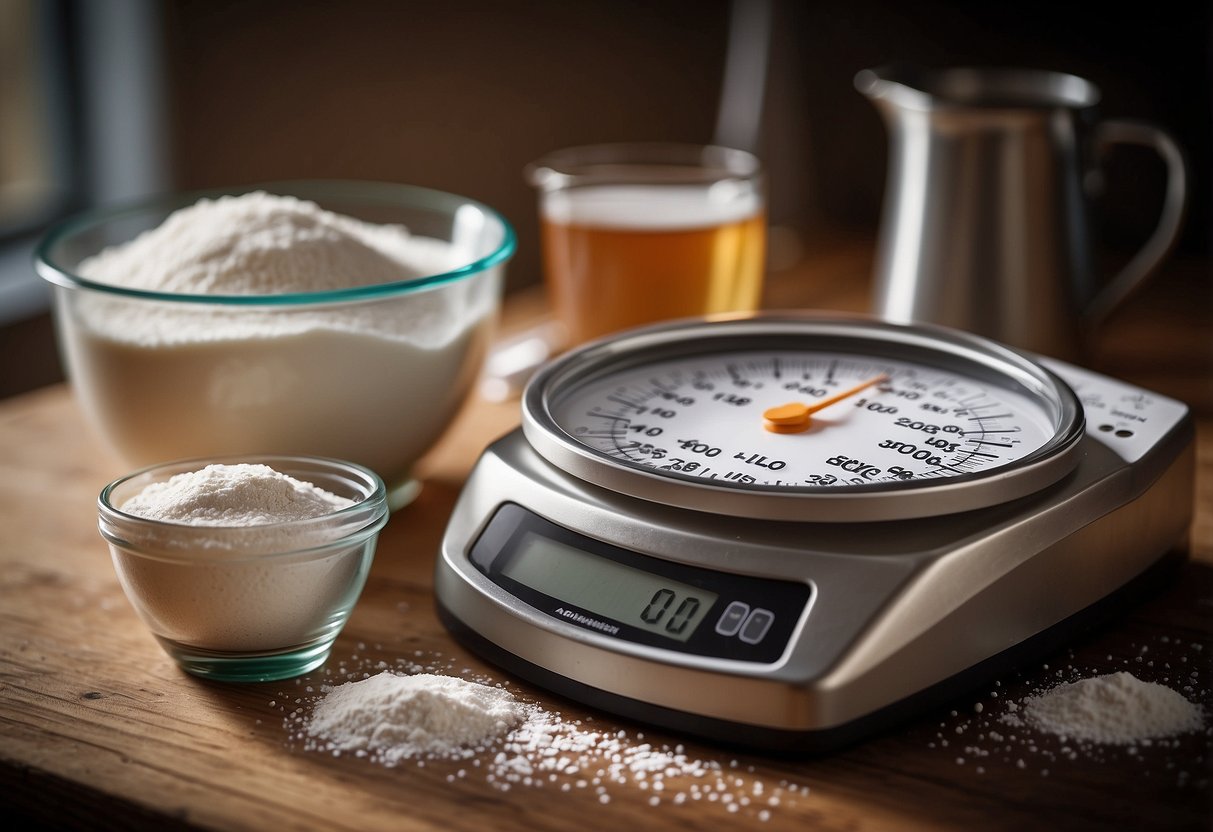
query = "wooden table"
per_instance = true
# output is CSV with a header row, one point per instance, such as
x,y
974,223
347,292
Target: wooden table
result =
x,y
99,729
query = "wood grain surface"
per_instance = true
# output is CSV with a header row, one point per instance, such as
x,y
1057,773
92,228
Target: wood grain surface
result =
x,y
98,729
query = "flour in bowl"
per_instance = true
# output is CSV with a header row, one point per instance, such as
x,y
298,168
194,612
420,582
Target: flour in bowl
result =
x,y
265,244
240,558
233,495
369,378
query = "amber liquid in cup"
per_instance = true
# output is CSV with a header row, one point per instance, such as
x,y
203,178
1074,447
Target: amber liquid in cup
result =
x,y
617,256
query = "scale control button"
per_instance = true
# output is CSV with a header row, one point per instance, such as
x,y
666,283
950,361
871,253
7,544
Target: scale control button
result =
x,y
732,618
756,626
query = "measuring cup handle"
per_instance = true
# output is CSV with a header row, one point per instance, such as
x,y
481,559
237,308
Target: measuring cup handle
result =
x,y
1143,264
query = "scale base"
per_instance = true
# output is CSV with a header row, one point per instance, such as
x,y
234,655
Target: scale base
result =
x,y
744,737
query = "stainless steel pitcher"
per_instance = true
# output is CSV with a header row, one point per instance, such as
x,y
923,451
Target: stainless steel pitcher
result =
x,y
986,215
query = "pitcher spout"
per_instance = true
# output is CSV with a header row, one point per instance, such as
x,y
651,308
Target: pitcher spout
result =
x,y
893,87
901,87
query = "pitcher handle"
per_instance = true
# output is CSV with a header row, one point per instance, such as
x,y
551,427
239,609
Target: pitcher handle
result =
x,y
1151,255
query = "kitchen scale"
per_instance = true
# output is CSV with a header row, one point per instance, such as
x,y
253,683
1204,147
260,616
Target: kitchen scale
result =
x,y
786,532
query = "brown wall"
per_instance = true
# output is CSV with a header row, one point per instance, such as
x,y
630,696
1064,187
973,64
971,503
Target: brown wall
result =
x,y
452,95
459,95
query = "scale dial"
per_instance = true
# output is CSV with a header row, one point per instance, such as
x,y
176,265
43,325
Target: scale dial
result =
x,y
794,418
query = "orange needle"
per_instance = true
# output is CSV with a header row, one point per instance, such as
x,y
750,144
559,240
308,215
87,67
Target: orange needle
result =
x,y
794,416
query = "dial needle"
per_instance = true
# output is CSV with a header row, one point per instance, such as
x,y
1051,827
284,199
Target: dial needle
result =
x,y
794,416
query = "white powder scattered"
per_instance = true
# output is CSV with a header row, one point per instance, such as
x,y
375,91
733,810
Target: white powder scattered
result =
x,y
217,578
1117,709
396,717
374,381
233,495
1078,713
481,731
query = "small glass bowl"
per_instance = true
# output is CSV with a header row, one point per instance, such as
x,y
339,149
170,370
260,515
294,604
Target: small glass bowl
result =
x,y
247,603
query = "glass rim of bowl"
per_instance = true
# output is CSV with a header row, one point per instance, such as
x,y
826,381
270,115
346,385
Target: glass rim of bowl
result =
x,y
684,162
381,192
366,516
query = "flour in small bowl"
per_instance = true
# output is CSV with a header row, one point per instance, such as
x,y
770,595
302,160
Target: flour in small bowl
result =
x,y
239,558
233,495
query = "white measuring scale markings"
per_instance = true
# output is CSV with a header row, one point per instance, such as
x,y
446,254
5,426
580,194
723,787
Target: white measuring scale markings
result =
x,y
788,531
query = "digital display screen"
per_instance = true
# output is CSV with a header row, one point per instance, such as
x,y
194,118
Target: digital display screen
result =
x,y
631,596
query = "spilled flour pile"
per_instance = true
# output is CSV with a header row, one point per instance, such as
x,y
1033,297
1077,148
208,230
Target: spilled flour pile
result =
x,y
418,712
1116,709
391,717
1151,715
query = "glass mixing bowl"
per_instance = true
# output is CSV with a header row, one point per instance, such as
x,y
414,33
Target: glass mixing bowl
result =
x,y
247,603
371,374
